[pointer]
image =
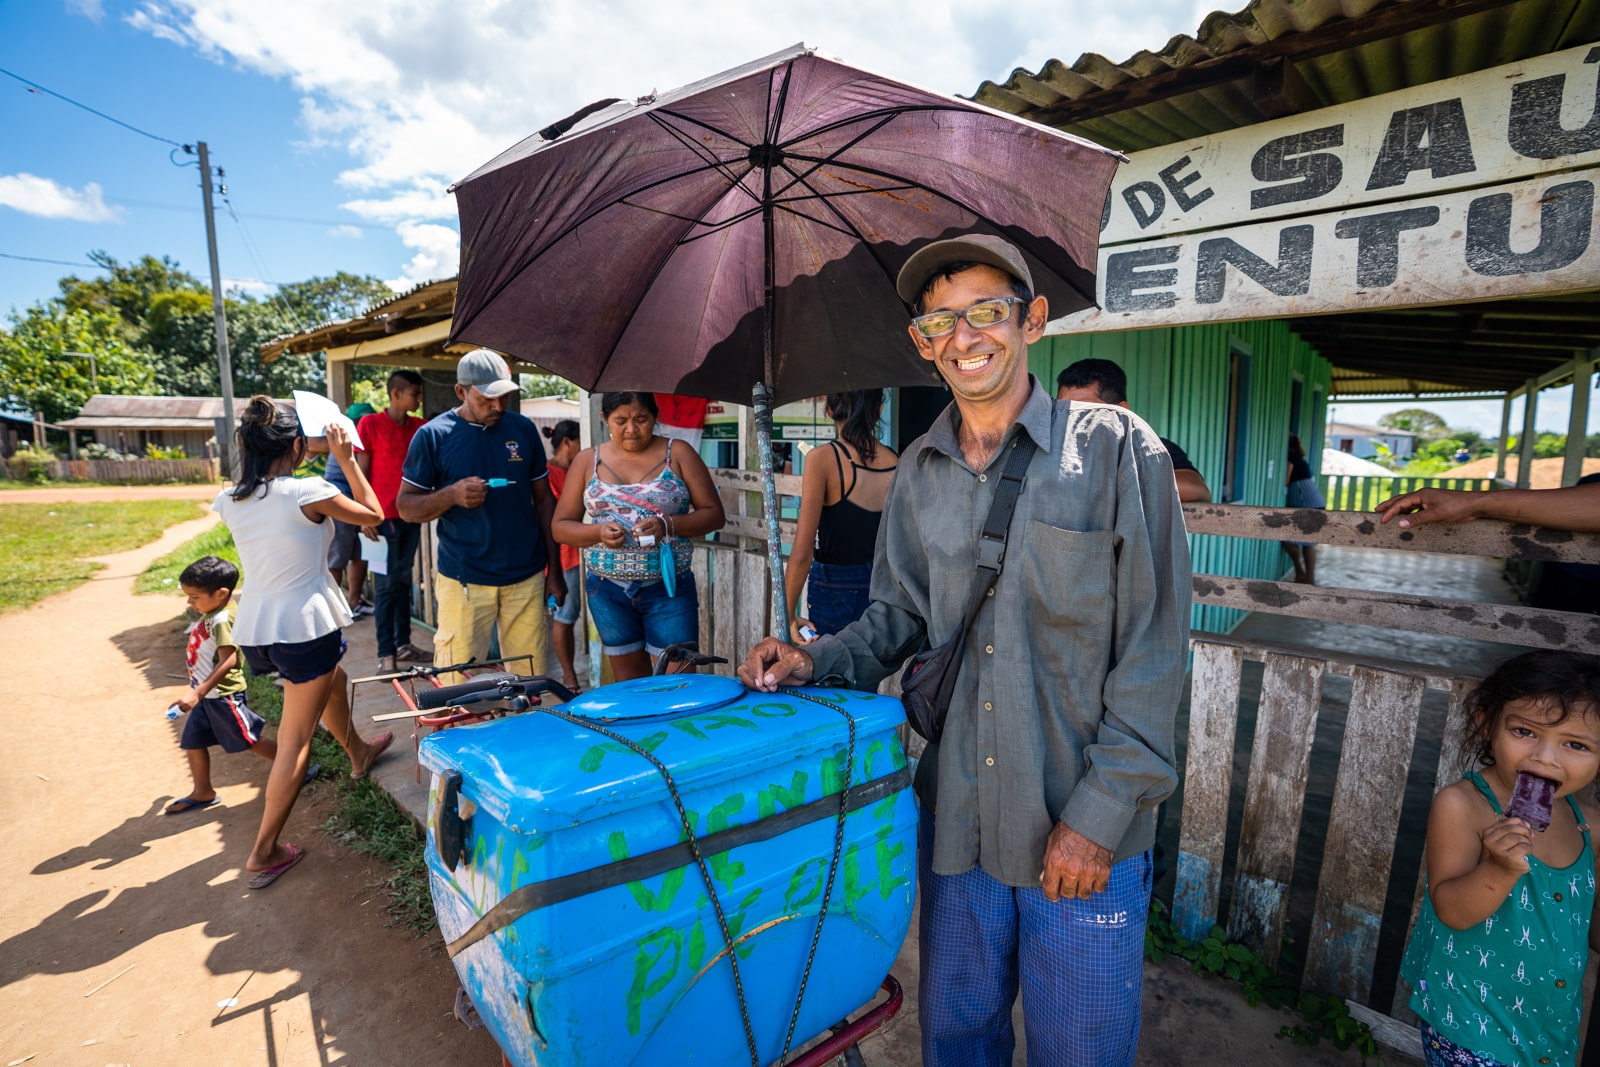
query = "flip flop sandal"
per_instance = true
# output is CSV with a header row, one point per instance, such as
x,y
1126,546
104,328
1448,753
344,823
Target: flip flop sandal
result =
x,y
312,773
178,807
379,746
272,874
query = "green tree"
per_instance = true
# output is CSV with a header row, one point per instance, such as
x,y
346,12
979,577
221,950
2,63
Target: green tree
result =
x,y
1550,446
328,299
1425,424
36,373
127,290
1592,448
547,385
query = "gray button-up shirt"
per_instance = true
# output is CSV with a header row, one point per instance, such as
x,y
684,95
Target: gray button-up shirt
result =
x,y
1064,707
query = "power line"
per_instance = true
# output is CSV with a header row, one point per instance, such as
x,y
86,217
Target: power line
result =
x,y
36,87
252,215
58,262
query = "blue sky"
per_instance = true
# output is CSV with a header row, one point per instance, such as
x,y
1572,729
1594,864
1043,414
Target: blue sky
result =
x,y
340,125
358,116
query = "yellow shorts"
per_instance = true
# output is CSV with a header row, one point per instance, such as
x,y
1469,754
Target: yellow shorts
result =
x,y
468,615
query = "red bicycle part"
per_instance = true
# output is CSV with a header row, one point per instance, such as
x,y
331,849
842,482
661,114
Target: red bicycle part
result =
x,y
843,1038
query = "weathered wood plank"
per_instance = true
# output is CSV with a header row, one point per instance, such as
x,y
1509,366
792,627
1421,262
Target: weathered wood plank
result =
x,y
1208,776
1455,756
754,602
1485,537
700,567
1434,677
1398,1038
750,481
755,528
1286,723
1513,624
1379,733
724,602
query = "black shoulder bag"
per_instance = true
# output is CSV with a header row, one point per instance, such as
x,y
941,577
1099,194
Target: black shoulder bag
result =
x,y
929,680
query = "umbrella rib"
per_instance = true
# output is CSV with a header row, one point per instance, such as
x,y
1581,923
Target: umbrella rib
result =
x,y
886,114
850,228
721,166
833,156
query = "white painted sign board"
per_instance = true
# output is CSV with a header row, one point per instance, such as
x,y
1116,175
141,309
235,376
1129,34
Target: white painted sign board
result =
x,y
1473,188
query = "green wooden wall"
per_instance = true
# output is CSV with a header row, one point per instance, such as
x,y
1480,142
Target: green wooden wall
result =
x,y
1178,380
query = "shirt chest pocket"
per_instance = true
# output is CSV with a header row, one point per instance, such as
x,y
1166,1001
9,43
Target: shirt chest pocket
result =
x,y
1069,575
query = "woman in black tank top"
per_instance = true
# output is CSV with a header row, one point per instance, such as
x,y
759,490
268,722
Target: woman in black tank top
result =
x,y
843,490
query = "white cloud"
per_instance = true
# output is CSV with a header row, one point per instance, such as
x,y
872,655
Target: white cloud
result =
x,y
33,195
250,286
438,254
93,10
420,93
345,231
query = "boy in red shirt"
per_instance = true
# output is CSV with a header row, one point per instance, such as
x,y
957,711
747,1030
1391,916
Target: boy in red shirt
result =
x,y
387,435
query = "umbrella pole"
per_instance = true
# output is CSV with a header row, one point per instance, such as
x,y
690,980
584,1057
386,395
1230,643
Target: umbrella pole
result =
x,y
761,398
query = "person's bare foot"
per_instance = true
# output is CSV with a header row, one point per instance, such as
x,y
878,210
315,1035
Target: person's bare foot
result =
x,y
571,683
375,748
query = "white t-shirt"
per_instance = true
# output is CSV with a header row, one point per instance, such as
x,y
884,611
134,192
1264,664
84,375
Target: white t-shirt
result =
x,y
289,595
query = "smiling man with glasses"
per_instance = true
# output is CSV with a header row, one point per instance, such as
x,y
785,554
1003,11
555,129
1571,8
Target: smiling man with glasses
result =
x,y
1039,799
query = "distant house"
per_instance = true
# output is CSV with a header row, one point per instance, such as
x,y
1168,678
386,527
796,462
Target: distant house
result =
x,y
129,423
1363,441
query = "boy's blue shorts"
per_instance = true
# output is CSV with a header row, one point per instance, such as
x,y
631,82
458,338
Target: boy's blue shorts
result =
x,y
225,721
297,661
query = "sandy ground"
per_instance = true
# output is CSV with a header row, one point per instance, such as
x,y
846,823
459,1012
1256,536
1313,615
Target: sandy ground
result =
x,y
61,494
1546,472
128,937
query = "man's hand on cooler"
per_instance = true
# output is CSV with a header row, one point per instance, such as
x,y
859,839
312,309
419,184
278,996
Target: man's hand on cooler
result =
x,y
772,663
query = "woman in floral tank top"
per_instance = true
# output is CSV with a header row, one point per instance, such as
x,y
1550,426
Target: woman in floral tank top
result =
x,y
640,494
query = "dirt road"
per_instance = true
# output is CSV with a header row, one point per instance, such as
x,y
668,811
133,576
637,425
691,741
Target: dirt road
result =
x,y
67,493
128,937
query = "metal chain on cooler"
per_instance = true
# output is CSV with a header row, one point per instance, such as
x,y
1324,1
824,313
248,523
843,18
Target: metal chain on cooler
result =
x,y
694,848
833,867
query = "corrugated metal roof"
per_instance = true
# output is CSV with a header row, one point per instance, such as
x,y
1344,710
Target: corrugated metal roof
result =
x,y
426,303
1283,57
203,408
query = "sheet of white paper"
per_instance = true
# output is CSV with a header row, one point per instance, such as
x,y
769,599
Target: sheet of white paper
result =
x,y
317,413
376,553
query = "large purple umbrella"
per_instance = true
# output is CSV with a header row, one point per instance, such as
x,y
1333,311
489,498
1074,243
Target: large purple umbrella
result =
x,y
740,237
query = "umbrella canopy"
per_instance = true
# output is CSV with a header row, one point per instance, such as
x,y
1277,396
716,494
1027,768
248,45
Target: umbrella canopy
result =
x,y
748,228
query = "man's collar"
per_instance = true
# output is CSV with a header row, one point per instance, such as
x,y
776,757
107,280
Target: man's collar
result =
x,y
1035,419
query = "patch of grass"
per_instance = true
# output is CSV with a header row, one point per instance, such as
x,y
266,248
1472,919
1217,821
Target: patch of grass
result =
x,y
162,574
42,546
366,819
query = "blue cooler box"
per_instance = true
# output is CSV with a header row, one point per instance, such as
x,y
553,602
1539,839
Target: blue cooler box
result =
x,y
576,914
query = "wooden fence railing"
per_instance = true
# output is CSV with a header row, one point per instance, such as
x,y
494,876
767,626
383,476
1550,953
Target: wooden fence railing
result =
x,y
135,471
1363,492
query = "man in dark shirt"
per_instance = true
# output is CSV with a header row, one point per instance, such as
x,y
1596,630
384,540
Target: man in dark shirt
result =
x,y
480,470
1101,381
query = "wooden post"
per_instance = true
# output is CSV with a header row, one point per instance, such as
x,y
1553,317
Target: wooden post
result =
x,y
1208,777
339,382
1530,409
1379,733
1286,723
1578,422
1505,430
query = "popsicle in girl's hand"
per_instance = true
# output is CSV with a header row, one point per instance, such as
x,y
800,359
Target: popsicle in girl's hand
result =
x,y
499,483
1531,800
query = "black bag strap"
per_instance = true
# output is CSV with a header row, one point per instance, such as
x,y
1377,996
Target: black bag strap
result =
x,y
997,526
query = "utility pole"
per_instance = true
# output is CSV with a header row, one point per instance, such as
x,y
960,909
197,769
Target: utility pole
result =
x,y
224,364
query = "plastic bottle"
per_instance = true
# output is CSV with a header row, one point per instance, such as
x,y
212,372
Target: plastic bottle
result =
x,y
173,713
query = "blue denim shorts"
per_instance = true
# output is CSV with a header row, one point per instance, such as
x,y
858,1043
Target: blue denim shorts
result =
x,y
635,615
567,610
836,594
298,661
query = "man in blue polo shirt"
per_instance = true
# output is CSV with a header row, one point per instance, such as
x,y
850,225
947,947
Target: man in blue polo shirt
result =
x,y
480,470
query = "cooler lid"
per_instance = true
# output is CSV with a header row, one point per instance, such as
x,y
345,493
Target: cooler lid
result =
x,y
642,698
535,772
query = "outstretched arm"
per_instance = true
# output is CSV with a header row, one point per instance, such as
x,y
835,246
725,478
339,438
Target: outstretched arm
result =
x,y
1575,508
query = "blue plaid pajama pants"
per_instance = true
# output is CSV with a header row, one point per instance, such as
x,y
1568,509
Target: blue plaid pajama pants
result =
x,y
1079,965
